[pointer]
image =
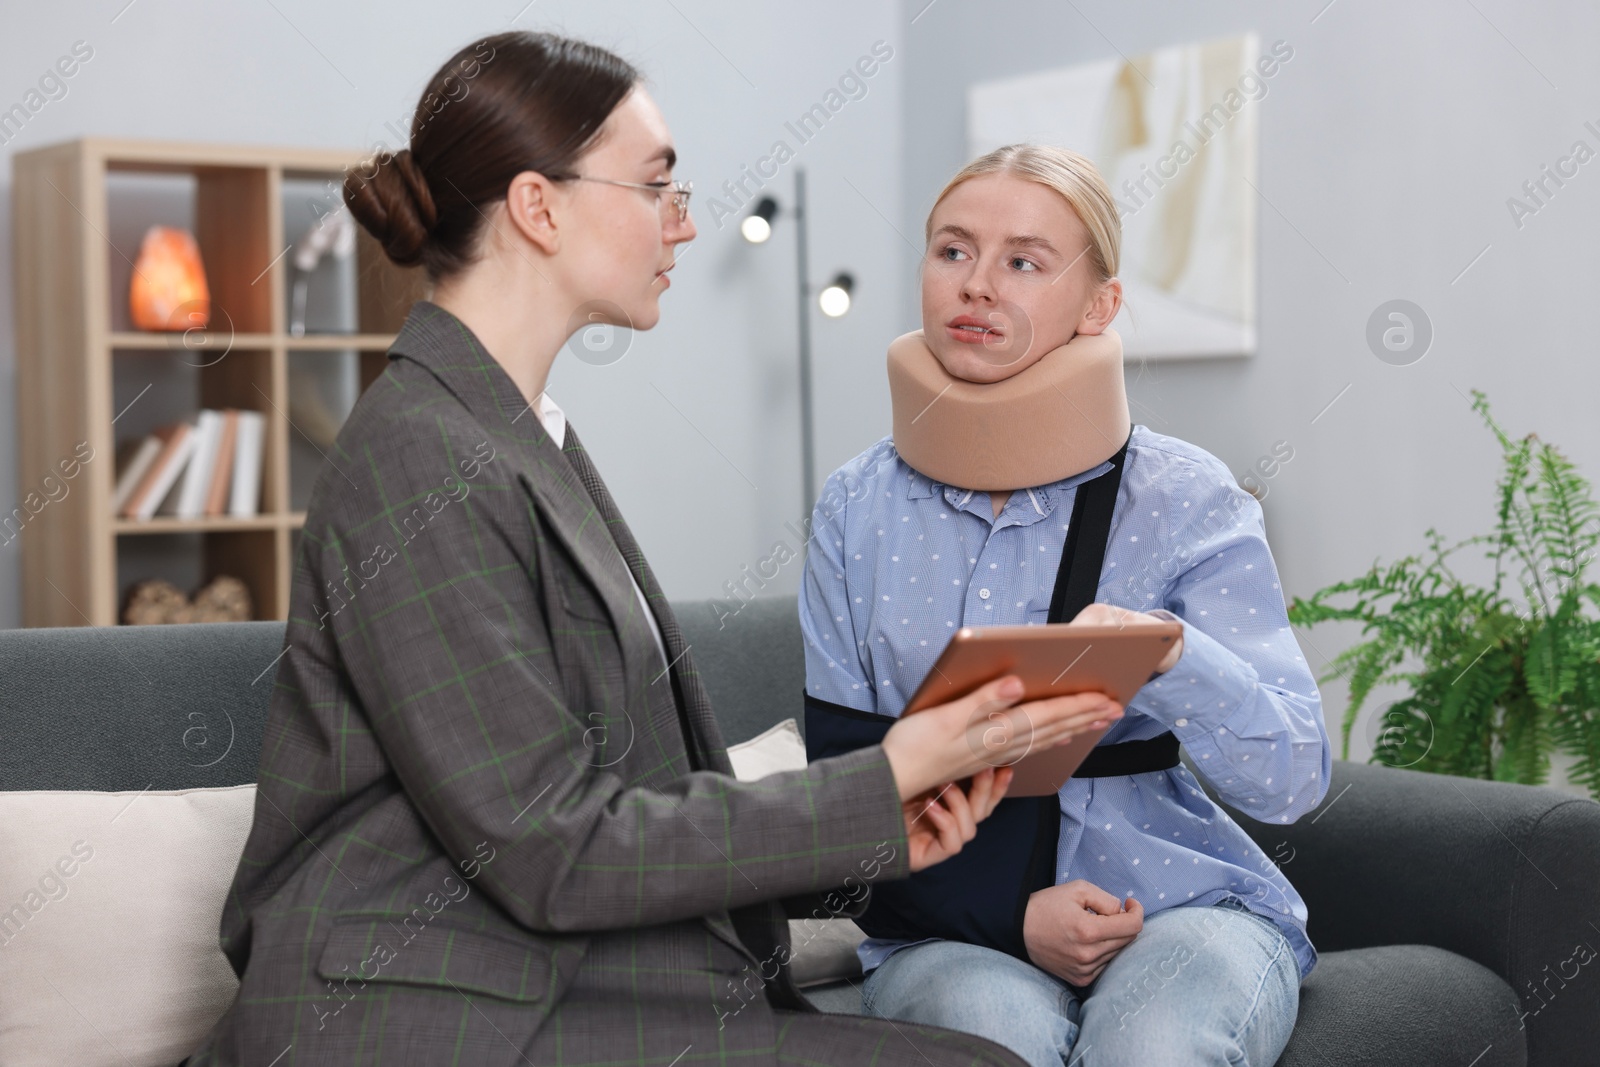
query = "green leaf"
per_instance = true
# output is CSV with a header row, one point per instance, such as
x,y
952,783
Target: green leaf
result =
x,y
1495,686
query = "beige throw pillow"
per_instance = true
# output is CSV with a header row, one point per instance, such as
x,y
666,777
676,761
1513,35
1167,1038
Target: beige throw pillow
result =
x,y
109,909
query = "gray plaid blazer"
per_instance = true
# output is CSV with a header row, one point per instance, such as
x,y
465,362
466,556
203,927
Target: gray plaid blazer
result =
x,y
491,825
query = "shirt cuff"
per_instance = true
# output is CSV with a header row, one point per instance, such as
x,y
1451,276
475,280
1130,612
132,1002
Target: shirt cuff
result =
x,y
1202,691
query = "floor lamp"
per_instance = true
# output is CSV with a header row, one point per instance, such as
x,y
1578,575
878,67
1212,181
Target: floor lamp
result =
x,y
833,300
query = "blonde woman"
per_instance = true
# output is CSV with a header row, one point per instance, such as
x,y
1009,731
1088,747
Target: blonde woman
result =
x,y
1128,919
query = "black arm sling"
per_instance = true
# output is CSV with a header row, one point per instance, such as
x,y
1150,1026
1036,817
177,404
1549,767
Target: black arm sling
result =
x,y
980,894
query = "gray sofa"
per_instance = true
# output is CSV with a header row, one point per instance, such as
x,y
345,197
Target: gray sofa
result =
x,y
1451,915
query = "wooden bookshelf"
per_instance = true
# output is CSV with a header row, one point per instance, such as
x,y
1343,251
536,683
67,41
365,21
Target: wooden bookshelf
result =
x,y
74,208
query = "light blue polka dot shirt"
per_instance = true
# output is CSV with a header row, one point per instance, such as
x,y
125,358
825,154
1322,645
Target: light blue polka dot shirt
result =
x,y
897,563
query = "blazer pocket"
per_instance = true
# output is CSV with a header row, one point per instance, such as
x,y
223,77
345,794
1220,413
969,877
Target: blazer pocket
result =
x,y
373,948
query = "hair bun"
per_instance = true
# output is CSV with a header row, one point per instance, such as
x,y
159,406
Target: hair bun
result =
x,y
390,197
421,197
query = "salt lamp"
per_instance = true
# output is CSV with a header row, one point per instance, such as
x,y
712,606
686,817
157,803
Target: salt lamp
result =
x,y
169,290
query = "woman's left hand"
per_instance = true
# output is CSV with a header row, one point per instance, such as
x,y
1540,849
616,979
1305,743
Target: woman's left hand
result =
x,y
939,823
1111,615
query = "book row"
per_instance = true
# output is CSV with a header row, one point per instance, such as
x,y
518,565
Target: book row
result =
x,y
206,467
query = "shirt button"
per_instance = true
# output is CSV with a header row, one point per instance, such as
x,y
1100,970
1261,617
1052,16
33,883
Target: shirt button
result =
x,y
983,594
1180,722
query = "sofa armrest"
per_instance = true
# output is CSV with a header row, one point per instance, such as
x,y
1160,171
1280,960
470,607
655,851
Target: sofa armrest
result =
x,y
1505,875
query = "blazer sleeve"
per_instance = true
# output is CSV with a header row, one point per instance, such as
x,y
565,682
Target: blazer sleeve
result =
x,y
447,647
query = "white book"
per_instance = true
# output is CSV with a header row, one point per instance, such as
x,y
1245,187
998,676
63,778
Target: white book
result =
x,y
197,476
138,466
160,499
245,493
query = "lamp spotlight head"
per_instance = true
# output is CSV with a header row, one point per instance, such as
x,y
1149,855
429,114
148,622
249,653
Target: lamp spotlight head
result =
x,y
757,226
755,229
835,299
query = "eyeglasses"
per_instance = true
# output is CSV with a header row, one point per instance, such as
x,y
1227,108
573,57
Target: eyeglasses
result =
x,y
681,191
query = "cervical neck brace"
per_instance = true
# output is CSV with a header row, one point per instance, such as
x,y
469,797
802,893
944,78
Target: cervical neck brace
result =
x,y
1063,415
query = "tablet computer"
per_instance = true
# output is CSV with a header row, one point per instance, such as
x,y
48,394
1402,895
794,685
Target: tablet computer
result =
x,y
1054,659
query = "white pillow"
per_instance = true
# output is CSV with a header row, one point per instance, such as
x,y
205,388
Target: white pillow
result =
x,y
821,949
109,912
777,749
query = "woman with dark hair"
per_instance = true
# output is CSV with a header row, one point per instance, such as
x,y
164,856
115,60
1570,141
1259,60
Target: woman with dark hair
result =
x,y
495,819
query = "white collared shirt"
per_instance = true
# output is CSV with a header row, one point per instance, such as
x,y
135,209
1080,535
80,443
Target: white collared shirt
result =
x,y
555,424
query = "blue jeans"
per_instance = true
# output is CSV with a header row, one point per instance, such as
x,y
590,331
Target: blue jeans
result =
x,y
1199,986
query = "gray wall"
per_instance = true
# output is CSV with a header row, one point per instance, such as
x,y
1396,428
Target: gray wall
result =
x,y
1389,146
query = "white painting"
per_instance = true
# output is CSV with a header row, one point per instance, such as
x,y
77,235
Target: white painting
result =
x,y
1174,133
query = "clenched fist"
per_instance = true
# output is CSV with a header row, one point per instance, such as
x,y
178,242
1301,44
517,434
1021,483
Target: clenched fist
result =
x,y
1073,930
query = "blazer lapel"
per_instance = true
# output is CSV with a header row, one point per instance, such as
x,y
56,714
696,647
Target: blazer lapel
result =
x,y
573,517
691,694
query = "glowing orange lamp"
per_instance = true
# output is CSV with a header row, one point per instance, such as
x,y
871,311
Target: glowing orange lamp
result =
x,y
169,290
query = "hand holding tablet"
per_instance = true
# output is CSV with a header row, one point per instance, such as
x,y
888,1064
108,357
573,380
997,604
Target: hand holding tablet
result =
x,y
989,726
1074,659
951,763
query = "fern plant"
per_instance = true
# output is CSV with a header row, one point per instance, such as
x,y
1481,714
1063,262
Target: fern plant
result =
x,y
1499,677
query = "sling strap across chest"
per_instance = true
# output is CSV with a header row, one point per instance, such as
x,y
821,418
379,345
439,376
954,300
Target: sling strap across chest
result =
x,y
980,895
